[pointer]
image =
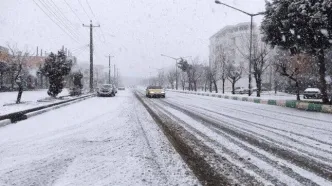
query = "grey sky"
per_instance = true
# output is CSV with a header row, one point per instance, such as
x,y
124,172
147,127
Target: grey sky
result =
x,y
136,32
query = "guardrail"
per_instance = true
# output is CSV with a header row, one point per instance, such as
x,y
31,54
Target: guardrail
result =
x,y
24,114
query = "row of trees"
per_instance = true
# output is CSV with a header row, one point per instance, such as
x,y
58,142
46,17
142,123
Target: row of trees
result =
x,y
295,45
57,69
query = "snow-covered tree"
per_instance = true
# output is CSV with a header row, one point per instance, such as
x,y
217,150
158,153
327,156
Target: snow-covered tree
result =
x,y
56,67
302,26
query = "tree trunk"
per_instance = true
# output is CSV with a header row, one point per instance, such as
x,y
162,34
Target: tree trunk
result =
x,y
322,74
259,85
20,92
210,86
195,86
223,86
215,85
233,87
297,91
1,79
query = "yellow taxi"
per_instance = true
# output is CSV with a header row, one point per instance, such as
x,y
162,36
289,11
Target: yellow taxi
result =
x,y
155,91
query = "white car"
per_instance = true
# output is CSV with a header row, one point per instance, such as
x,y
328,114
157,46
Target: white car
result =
x,y
312,93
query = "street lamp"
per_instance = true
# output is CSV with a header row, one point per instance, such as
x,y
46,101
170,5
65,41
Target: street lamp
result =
x,y
176,67
250,47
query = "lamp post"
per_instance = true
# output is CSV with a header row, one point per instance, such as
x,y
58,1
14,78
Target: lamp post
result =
x,y
176,67
250,47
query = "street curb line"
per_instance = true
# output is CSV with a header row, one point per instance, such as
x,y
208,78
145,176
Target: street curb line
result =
x,y
38,112
283,103
5,122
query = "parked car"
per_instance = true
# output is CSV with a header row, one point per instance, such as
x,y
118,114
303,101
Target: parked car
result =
x,y
240,90
312,93
155,91
106,90
122,88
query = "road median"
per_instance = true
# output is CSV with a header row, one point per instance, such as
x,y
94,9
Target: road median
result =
x,y
25,114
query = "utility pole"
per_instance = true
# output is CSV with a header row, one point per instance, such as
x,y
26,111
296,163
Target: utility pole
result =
x,y
91,53
114,73
109,68
37,51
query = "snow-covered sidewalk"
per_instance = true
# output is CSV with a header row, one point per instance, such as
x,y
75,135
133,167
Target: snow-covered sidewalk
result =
x,y
99,141
29,100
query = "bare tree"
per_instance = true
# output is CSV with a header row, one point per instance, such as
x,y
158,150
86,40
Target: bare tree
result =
x,y
196,72
183,79
219,67
17,61
171,77
293,67
234,74
207,76
259,58
161,78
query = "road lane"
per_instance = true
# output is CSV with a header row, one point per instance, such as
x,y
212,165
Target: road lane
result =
x,y
99,141
291,146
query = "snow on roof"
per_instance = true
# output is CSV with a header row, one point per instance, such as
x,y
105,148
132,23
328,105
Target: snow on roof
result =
x,y
312,90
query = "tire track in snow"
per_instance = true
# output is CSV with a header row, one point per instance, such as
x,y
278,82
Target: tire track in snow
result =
x,y
297,159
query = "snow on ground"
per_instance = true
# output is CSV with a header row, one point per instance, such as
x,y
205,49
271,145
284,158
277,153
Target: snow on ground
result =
x,y
28,100
99,141
256,137
265,95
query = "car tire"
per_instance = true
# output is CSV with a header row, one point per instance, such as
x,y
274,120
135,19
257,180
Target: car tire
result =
x,y
304,97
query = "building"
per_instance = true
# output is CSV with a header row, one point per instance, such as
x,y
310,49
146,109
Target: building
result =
x,y
234,41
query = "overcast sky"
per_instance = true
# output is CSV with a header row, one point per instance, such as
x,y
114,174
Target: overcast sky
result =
x,y
136,32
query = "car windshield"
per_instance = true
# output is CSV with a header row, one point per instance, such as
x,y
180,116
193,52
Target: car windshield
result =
x,y
165,92
155,87
107,86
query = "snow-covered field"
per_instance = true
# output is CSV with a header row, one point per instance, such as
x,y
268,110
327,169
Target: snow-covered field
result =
x,y
267,144
99,141
29,100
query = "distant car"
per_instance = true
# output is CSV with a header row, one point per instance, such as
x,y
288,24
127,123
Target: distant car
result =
x,y
106,90
155,91
240,90
122,88
312,93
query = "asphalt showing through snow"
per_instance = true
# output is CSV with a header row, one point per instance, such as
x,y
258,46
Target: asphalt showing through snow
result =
x,y
261,143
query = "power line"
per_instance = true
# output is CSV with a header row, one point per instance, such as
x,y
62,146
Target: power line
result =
x,y
72,10
55,22
62,14
62,17
47,7
84,9
90,9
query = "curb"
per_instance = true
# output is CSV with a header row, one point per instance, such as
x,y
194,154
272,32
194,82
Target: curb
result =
x,y
38,112
283,103
25,114
5,122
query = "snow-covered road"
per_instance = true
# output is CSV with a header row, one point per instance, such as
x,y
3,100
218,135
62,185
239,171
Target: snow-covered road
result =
x,y
99,141
259,144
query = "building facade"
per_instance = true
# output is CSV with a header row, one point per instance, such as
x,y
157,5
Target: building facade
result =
x,y
234,42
